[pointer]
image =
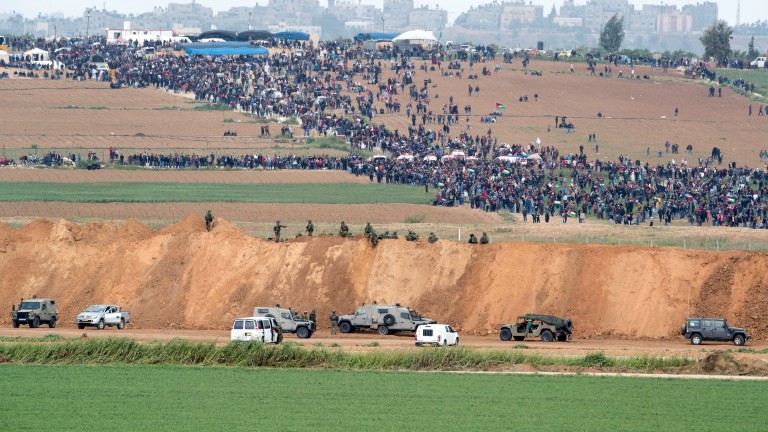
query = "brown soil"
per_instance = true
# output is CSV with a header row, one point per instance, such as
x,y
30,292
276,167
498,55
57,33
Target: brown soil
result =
x,y
185,277
639,115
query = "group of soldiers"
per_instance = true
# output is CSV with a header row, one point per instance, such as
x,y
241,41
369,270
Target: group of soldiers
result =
x,y
483,239
369,232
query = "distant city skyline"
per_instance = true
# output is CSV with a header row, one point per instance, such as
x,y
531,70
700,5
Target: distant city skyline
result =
x,y
751,10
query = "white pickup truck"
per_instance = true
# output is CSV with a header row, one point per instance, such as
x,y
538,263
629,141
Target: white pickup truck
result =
x,y
102,315
758,63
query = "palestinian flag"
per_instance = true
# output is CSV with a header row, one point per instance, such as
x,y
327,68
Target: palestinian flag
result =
x,y
500,106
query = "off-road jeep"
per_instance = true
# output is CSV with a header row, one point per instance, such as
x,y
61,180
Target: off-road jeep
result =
x,y
384,318
699,330
34,312
287,320
547,327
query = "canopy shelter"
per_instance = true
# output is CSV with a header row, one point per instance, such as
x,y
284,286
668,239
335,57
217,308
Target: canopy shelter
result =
x,y
219,34
223,48
415,38
292,35
375,36
36,54
255,35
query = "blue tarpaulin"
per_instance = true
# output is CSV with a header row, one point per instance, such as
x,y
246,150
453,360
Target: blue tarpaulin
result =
x,y
292,35
223,48
376,36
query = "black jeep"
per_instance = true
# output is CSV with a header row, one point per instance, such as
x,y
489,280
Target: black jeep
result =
x,y
699,330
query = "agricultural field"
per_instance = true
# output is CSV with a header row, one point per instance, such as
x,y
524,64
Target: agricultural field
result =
x,y
143,398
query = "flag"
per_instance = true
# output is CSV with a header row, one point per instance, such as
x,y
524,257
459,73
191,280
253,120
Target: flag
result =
x,y
499,106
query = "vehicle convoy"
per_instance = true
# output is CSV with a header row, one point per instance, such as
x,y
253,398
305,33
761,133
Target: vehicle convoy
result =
x,y
547,327
384,318
34,312
699,330
436,335
260,329
287,320
102,315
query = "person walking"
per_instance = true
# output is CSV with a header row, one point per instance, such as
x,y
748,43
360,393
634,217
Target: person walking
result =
x,y
208,221
310,228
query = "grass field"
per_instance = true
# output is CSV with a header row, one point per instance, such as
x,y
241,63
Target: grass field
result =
x,y
322,193
757,76
139,398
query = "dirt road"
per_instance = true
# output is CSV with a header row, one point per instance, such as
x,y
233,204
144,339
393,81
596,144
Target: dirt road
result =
x,y
360,342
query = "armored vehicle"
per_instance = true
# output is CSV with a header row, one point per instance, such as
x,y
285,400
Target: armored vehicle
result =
x,y
288,320
384,318
34,312
699,330
547,327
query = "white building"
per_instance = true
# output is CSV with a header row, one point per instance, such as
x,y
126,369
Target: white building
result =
x,y
127,34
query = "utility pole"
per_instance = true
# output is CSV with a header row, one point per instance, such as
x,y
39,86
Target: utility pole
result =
x,y
88,24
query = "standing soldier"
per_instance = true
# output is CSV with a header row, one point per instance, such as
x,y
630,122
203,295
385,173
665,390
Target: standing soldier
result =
x,y
304,316
334,321
310,228
343,230
313,317
368,229
484,238
208,220
276,229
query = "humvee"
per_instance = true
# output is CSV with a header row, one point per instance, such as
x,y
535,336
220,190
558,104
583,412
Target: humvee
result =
x,y
547,327
384,318
34,312
287,320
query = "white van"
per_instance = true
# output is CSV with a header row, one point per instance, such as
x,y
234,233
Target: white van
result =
x,y
261,329
436,335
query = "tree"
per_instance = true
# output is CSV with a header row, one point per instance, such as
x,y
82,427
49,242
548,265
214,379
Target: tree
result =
x,y
612,34
717,41
752,52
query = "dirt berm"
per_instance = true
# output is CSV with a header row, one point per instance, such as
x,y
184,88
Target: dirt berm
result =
x,y
185,277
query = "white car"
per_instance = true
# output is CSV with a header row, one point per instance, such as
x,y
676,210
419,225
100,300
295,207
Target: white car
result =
x,y
758,63
261,329
436,335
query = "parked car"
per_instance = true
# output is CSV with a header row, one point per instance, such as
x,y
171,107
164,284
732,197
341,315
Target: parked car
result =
x,y
34,312
287,320
103,315
547,327
436,335
757,63
699,330
384,318
260,329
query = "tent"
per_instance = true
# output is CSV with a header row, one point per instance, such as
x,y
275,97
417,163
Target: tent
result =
x,y
415,38
219,34
405,156
5,57
37,55
292,35
223,48
256,35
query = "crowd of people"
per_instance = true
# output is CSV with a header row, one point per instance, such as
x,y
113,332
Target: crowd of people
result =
x,y
461,166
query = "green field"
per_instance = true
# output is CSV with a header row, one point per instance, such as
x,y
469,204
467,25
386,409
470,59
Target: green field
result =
x,y
757,76
320,193
139,398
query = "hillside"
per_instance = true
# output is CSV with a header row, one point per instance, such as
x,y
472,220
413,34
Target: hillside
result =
x,y
185,277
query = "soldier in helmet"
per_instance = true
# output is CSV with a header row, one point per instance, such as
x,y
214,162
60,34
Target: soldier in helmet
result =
x,y
334,321
208,220
484,238
472,239
343,230
368,229
276,229
432,238
310,228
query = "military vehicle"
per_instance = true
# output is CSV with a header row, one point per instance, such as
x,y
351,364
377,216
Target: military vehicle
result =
x,y
288,321
699,330
34,312
384,318
547,327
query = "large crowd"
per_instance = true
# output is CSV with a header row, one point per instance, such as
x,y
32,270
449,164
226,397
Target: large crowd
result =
x,y
338,89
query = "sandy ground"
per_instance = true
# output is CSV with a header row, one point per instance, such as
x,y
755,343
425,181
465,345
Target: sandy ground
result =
x,y
639,115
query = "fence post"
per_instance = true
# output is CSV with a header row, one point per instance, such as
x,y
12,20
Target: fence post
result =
x,y
684,244
459,234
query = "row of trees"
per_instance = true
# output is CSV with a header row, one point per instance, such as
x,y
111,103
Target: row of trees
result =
x,y
716,40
